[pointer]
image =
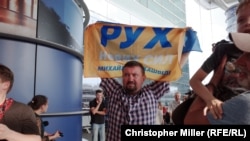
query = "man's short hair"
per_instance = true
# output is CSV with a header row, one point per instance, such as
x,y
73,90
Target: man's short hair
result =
x,y
98,91
6,75
133,64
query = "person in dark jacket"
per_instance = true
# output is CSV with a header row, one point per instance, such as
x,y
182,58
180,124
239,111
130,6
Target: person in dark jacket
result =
x,y
17,120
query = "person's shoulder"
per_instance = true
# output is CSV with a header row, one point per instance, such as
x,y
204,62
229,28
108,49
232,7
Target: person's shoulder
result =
x,y
20,104
172,102
92,101
225,46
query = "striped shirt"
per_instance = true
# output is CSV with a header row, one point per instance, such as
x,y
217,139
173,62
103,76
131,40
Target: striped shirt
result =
x,y
125,109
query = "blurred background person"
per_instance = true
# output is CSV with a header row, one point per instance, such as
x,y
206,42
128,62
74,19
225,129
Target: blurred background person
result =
x,y
98,112
166,115
177,101
159,115
18,121
39,104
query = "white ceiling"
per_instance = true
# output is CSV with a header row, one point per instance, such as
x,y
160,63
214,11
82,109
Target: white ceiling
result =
x,y
135,8
211,4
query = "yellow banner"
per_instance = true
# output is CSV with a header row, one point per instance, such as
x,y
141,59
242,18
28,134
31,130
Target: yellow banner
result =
x,y
108,46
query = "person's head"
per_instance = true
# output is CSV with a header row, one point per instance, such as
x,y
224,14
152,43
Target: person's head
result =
x,y
243,16
133,76
99,94
177,96
6,78
39,102
160,106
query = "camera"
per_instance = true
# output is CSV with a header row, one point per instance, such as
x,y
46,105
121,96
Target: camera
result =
x,y
45,123
61,134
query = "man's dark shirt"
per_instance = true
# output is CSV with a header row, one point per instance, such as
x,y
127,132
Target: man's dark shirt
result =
x,y
98,119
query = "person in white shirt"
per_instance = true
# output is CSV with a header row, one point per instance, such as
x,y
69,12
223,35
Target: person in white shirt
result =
x,y
159,115
177,101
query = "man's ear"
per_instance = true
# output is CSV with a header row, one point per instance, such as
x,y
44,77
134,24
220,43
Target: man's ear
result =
x,y
6,85
144,77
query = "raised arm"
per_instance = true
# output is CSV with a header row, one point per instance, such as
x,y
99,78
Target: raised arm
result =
x,y
10,135
184,59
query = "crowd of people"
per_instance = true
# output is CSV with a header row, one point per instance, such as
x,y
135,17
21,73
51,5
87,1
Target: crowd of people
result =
x,y
19,121
132,103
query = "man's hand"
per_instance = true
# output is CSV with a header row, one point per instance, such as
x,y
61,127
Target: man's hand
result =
x,y
4,130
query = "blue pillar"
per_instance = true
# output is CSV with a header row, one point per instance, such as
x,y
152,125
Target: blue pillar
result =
x,y
42,42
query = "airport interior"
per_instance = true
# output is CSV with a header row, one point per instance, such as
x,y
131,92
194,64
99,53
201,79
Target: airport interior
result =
x,y
42,41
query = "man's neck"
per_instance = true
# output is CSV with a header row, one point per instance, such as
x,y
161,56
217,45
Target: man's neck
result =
x,y
38,112
2,99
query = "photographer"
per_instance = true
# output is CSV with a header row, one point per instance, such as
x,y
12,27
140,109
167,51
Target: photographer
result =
x,y
39,104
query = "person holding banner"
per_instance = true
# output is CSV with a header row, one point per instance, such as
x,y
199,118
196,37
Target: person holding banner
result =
x,y
228,80
132,103
134,54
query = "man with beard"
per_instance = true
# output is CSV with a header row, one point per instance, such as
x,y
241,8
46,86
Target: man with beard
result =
x,y
132,103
